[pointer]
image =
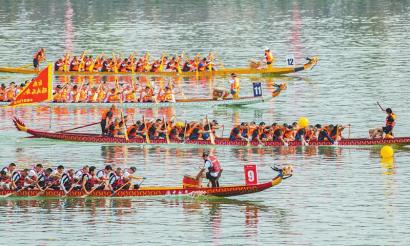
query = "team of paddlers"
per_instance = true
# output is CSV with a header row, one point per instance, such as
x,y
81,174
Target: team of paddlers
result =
x,y
115,126
89,178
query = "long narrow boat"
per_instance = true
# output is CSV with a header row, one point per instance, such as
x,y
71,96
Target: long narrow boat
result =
x,y
97,138
223,191
274,70
179,102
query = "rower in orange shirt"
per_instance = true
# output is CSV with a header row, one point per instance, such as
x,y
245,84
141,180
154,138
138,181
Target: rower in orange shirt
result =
x,y
269,57
74,65
10,92
2,92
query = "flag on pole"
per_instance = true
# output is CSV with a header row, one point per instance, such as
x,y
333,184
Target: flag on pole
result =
x,y
38,90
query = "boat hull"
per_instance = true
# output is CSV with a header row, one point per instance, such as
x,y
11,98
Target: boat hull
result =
x,y
178,103
225,191
275,70
96,138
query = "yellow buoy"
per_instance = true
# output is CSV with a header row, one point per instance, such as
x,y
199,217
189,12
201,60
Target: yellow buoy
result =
x,y
386,152
303,122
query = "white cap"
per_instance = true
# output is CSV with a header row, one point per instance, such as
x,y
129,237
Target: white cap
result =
x,y
266,48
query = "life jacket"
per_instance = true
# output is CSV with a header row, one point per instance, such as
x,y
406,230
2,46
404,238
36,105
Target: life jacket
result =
x,y
58,66
216,166
289,134
132,131
89,63
113,98
116,181
130,97
106,67
148,96
18,178
168,96
10,94
83,95
93,97
97,65
91,181
269,57
391,123
105,114
66,180
2,94
235,84
101,95
161,95
74,65
57,97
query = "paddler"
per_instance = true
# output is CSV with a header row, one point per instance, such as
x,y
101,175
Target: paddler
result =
x,y
130,175
212,168
67,181
59,65
106,118
104,174
4,181
20,179
9,169
117,181
269,57
234,85
39,57
89,181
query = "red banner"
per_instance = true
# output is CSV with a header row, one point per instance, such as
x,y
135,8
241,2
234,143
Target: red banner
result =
x,y
251,175
38,90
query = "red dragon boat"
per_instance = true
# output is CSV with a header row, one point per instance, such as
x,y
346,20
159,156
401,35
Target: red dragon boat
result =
x,y
97,138
185,190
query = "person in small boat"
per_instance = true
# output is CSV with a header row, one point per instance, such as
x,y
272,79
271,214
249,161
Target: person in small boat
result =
x,y
234,85
387,130
106,119
212,168
39,57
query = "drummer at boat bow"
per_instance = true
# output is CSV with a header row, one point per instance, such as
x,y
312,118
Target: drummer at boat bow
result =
x,y
387,130
212,168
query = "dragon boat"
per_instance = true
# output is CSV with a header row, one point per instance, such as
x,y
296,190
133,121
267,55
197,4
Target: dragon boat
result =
x,y
274,70
186,189
97,138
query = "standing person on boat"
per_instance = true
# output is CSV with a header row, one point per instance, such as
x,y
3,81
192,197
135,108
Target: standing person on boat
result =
x,y
269,57
106,118
234,85
212,168
387,130
38,57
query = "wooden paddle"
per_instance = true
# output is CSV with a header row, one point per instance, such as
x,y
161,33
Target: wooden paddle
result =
x,y
91,191
75,128
186,124
166,129
26,66
381,107
211,134
146,131
116,191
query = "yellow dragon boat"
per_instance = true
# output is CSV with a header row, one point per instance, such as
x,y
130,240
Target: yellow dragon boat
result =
x,y
274,70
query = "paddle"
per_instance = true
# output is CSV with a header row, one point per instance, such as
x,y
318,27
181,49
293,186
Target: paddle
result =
x,y
14,193
211,134
186,124
381,107
72,187
26,66
116,191
75,128
44,190
166,129
91,191
146,131
223,128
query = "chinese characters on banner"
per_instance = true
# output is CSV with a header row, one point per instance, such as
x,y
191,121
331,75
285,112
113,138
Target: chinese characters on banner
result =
x,y
38,90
